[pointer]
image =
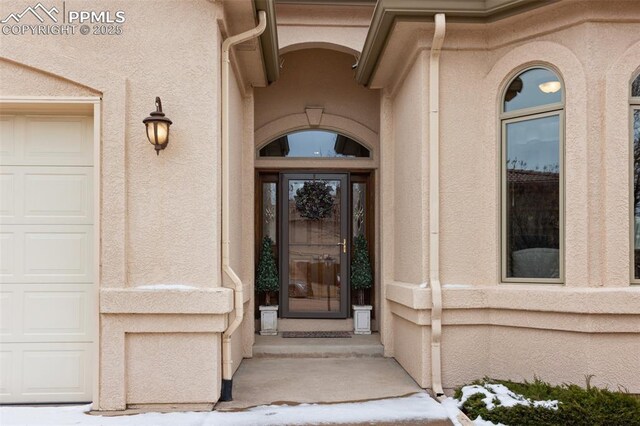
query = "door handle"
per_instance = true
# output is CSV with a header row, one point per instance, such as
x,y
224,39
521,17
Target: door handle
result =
x,y
344,245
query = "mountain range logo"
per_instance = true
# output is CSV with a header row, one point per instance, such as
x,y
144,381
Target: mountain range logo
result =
x,y
33,10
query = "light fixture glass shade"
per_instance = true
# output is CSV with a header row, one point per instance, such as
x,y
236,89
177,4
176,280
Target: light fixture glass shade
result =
x,y
550,86
157,132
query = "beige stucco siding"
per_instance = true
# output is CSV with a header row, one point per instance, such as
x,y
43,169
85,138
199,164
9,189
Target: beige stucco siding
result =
x,y
317,78
162,243
308,26
241,187
410,193
18,80
160,220
468,177
559,333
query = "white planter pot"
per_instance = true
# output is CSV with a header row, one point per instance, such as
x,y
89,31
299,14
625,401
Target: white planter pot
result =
x,y
269,320
361,319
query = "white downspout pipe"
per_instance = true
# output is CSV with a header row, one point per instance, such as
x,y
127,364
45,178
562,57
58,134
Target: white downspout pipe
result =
x,y
434,205
227,362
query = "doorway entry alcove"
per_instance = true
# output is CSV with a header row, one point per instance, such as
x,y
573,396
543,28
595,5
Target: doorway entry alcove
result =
x,y
312,216
316,134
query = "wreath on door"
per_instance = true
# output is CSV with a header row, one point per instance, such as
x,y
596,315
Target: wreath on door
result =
x,y
314,200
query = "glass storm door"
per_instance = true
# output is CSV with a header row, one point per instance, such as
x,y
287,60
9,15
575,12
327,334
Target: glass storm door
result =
x,y
314,279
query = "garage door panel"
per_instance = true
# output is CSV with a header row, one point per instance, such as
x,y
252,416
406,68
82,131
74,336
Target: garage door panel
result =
x,y
8,374
8,139
52,313
46,195
9,308
10,254
46,140
46,253
60,365
47,372
47,313
58,195
8,194
58,255
57,140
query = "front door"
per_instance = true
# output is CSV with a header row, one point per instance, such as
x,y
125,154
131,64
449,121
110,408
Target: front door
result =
x,y
313,255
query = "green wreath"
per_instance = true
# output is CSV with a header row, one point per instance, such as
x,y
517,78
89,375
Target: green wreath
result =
x,y
314,200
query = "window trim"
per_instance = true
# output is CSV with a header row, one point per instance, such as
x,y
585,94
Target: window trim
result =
x,y
325,129
634,105
526,114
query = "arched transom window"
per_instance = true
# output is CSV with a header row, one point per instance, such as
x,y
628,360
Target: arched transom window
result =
x,y
314,144
532,176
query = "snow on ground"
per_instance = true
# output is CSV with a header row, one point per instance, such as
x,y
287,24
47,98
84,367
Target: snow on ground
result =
x,y
164,287
492,392
479,421
451,406
502,394
418,406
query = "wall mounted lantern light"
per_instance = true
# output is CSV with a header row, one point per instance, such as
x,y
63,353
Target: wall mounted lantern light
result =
x,y
158,127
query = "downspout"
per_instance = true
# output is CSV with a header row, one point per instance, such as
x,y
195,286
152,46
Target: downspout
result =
x,y
227,362
434,205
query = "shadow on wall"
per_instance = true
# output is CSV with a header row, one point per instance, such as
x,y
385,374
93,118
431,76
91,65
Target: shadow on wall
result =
x,y
322,78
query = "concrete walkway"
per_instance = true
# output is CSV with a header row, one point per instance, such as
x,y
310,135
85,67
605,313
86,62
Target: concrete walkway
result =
x,y
328,371
261,381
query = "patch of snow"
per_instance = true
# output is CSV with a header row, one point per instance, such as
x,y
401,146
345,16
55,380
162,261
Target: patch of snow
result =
x,y
415,407
468,391
497,394
162,287
457,286
451,406
479,421
549,404
505,396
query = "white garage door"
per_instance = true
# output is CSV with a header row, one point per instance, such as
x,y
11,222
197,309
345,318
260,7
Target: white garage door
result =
x,y
47,289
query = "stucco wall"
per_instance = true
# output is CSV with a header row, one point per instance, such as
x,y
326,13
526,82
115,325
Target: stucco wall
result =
x,y
155,190
160,220
18,80
305,26
320,78
240,183
559,333
410,157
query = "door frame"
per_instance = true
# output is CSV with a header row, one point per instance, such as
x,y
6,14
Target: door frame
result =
x,y
271,175
345,255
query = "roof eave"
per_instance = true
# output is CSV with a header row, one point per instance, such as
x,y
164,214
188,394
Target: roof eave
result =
x,y
387,11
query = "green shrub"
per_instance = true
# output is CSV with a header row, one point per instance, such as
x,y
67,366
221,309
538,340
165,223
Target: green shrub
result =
x,y
577,407
361,275
267,272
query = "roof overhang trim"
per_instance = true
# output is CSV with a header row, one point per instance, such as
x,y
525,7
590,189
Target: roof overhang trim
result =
x,y
388,11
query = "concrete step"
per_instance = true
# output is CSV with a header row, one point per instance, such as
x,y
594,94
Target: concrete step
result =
x,y
291,324
354,347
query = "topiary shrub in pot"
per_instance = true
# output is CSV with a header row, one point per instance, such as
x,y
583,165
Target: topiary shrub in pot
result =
x,y
361,279
267,282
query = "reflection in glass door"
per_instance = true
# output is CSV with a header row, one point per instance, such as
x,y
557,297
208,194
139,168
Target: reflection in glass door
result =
x,y
314,278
